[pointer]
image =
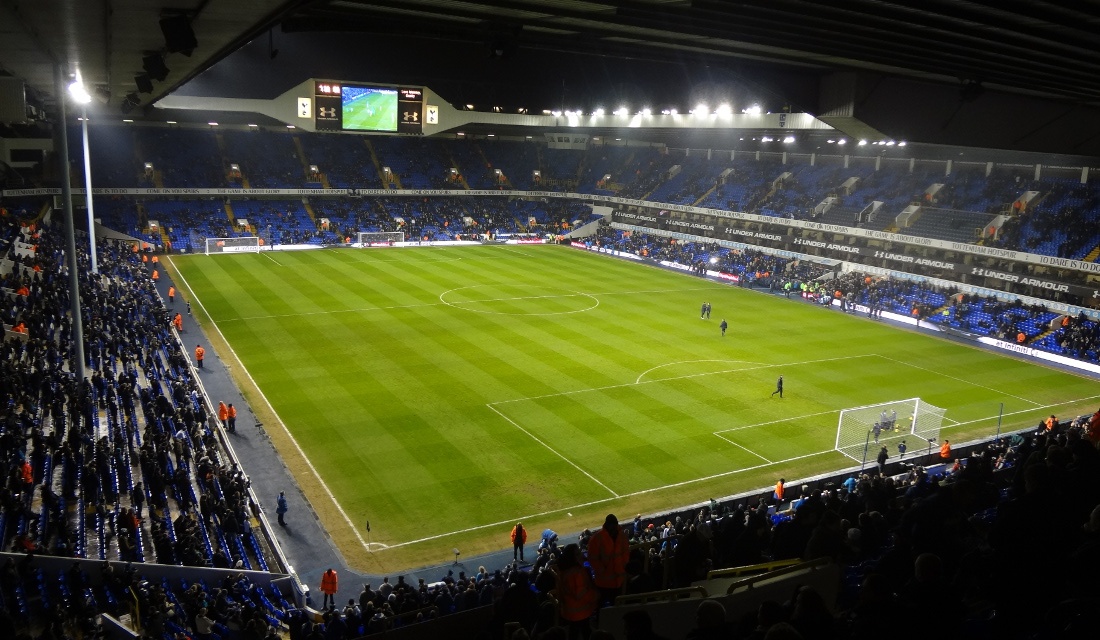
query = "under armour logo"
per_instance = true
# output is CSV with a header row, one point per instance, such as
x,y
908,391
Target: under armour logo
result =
x,y
411,116
326,112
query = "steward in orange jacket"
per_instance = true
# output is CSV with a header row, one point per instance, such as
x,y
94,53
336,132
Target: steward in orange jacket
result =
x,y
223,415
577,594
519,538
608,552
945,450
329,586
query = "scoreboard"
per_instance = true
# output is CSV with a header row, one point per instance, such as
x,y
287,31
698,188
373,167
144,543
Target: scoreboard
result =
x,y
342,106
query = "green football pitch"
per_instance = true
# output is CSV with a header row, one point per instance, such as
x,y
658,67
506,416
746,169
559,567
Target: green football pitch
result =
x,y
371,112
444,393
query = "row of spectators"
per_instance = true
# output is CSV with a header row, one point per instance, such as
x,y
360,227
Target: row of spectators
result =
x,y
124,464
1013,321
923,549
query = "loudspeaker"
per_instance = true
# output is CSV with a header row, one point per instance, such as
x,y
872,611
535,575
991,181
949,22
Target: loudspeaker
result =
x,y
132,100
144,83
154,66
178,36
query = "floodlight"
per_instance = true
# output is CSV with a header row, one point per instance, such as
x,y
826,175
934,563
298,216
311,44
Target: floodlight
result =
x,y
621,111
890,143
862,143
701,110
673,112
754,110
788,140
78,92
646,111
212,124
598,112
842,141
902,143
724,110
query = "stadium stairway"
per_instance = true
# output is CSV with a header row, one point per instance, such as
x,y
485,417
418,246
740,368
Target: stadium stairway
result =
x,y
1091,256
309,210
305,169
461,177
229,214
158,178
378,164
704,196
1037,339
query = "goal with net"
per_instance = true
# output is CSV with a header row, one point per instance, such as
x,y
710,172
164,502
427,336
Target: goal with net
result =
x,y
860,428
243,244
379,238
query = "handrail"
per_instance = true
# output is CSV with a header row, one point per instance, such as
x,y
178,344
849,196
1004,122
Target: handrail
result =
x,y
751,581
734,572
667,594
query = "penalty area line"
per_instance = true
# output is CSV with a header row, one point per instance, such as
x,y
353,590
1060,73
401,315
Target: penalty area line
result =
x,y
684,377
970,382
592,503
743,447
552,450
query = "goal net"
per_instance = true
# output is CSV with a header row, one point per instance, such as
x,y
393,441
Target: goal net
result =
x,y
379,238
243,244
861,431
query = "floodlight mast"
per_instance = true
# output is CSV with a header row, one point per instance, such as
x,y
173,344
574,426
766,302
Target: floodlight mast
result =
x,y
77,365
88,190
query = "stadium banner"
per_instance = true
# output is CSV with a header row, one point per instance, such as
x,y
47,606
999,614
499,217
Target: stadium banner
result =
x,y
961,247
1040,354
599,249
703,231
177,191
1004,296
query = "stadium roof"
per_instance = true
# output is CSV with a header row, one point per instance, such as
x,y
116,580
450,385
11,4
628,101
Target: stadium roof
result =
x,y
1017,74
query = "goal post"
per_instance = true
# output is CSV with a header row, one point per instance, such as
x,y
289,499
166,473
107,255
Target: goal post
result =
x,y
913,421
379,238
243,244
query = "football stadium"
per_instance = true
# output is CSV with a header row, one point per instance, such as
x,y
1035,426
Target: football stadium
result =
x,y
541,320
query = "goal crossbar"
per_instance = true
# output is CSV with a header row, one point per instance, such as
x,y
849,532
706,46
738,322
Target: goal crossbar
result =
x,y
379,238
913,422
241,244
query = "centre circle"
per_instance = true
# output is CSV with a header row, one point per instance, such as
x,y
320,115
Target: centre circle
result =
x,y
518,300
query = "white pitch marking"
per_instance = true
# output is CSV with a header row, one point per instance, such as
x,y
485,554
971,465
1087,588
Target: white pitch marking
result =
x,y
739,446
534,516
552,450
297,446
671,364
575,294
958,379
432,304
267,255
1033,409
335,311
683,377
761,424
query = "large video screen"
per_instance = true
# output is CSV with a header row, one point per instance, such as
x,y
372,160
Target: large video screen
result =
x,y
368,108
